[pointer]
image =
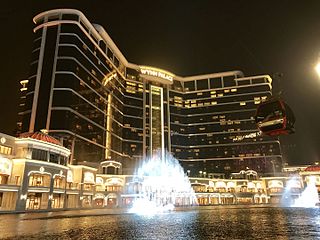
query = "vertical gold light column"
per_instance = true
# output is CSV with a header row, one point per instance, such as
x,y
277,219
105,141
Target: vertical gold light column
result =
x,y
108,126
156,120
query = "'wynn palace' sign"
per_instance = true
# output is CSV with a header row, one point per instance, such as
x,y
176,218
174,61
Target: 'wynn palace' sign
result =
x,y
156,72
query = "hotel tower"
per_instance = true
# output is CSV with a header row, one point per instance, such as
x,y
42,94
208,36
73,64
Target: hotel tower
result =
x,y
83,91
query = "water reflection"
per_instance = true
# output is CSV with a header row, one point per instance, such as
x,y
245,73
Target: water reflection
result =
x,y
232,222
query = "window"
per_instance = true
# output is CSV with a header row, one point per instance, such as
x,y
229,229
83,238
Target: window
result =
x,y
244,82
38,154
189,86
54,158
17,180
33,201
202,84
116,62
259,80
70,17
228,81
63,160
215,83
5,150
3,179
36,180
109,53
58,182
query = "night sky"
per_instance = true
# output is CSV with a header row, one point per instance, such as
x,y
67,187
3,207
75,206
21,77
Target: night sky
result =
x,y
279,38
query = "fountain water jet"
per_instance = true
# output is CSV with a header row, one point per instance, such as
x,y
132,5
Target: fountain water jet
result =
x,y
291,190
309,197
164,185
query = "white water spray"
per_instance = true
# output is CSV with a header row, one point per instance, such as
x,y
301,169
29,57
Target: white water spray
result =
x,y
309,197
163,186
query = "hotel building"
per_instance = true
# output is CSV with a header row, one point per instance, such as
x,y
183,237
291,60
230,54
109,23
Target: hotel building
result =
x,y
35,176
84,92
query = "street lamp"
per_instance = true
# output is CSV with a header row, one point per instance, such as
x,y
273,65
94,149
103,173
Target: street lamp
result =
x,y
317,68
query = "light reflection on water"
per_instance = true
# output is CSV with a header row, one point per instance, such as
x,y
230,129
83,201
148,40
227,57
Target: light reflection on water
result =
x,y
205,223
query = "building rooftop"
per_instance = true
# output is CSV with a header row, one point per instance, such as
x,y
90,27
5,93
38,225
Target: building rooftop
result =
x,y
41,137
313,168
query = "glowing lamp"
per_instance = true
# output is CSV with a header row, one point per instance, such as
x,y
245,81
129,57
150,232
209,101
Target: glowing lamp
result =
x,y
317,68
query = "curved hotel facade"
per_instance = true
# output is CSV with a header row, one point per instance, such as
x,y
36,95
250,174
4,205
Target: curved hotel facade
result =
x,y
83,91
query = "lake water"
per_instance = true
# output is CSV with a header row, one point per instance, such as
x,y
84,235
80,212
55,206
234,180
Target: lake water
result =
x,y
231,222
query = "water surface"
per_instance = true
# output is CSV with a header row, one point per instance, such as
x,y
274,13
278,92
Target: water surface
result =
x,y
232,222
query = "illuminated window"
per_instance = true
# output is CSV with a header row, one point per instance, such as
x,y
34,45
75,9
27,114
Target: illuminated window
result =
x,y
5,150
222,122
131,83
242,103
233,90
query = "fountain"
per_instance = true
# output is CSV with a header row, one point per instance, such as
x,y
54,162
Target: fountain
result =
x,y
164,185
292,189
309,197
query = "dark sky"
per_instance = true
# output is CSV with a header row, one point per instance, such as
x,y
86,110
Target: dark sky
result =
x,y
189,38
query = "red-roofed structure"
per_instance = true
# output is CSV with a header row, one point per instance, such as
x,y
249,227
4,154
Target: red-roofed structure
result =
x,y
313,168
41,137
